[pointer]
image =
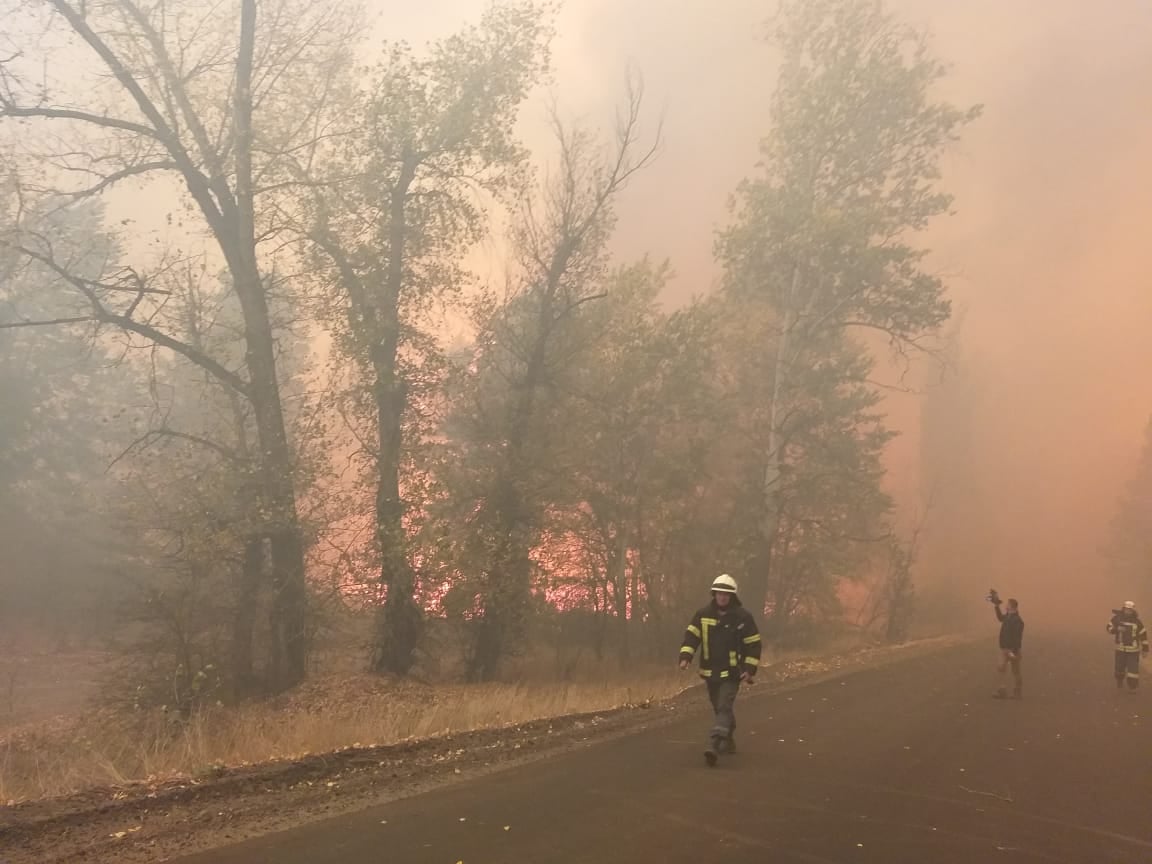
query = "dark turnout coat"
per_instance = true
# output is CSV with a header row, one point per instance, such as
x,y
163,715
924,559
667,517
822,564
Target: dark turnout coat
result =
x,y
1128,631
728,641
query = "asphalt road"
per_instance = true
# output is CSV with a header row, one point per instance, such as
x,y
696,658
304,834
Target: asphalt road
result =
x,y
913,762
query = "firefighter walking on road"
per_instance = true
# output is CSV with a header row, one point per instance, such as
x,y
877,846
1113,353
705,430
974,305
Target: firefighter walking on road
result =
x,y
725,633
1131,641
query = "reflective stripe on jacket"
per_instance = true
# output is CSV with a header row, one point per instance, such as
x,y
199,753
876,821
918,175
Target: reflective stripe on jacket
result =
x,y
1128,632
728,641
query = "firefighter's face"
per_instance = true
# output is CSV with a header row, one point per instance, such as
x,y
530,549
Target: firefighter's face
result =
x,y
722,598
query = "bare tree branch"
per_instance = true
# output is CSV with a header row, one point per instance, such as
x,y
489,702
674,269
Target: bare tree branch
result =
x,y
123,174
51,322
9,109
150,437
199,185
217,176
103,315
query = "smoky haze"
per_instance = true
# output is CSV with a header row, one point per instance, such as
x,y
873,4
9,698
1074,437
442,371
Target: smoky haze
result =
x,y
388,440
1047,258
1036,423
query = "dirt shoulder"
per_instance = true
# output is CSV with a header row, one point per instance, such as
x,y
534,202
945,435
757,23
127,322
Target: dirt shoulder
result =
x,y
155,822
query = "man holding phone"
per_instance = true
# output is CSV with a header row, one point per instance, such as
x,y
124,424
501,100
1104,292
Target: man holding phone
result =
x,y
1011,643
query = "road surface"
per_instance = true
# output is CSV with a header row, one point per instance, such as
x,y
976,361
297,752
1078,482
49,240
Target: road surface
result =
x,y
913,762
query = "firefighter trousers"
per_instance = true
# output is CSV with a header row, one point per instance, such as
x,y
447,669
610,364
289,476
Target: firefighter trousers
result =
x,y
722,695
1128,669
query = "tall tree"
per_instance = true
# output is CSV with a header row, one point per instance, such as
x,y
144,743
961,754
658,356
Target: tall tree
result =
x,y
636,423
214,100
824,236
434,140
504,424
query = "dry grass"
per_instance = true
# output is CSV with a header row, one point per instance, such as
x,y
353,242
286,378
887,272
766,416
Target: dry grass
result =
x,y
101,747
81,750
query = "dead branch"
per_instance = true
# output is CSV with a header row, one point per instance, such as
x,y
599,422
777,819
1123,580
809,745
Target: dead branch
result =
x,y
10,109
103,315
152,435
51,322
123,174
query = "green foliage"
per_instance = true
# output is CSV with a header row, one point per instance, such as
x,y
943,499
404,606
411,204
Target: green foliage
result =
x,y
823,240
849,176
433,142
513,394
629,441
586,448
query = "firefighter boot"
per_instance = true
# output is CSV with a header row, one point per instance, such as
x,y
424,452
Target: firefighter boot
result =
x,y
711,750
731,745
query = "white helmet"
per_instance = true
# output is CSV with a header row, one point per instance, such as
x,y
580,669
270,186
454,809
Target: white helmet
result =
x,y
1128,604
725,584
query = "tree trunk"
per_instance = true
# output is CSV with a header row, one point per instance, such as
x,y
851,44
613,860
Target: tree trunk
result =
x,y
618,575
509,592
756,594
635,616
400,622
290,604
510,578
642,581
244,681
230,216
